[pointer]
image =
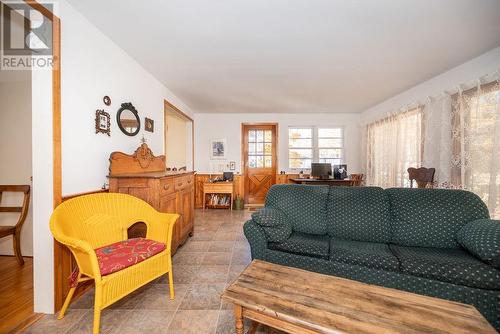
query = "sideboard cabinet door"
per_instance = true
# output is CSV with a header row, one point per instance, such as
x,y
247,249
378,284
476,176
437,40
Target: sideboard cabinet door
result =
x,y
168,204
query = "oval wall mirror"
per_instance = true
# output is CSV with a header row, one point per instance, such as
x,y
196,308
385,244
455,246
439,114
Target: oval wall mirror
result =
x,y
128,119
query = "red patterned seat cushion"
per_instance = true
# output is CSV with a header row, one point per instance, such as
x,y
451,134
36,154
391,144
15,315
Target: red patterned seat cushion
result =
x,y
126,253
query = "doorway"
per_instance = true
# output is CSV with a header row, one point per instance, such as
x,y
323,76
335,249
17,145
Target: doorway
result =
x,y
260,160
178,138
16,202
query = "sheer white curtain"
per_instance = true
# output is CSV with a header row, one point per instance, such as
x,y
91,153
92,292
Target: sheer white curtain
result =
x,y
462,140
458,134
394,144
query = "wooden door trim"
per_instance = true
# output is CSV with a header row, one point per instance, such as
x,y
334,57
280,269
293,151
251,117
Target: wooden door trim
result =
x,y
167,104
244,153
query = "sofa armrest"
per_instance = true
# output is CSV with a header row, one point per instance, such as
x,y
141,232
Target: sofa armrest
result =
x,y
274,224
257,239
482,239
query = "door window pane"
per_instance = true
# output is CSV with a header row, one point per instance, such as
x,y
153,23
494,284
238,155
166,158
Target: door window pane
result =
x,y
252,161
260,148
260,135
268,148
251,148
260,161
268,136
268,162
251,136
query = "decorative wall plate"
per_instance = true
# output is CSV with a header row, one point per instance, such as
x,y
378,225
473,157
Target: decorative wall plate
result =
x,y
106,100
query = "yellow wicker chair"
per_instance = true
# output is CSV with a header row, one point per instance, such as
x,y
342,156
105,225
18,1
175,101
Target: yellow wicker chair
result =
x,y
88,222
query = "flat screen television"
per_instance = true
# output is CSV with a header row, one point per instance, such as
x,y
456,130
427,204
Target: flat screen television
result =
x,y
321,170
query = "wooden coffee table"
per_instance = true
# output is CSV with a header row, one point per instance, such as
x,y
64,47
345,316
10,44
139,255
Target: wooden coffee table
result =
x,y
302,302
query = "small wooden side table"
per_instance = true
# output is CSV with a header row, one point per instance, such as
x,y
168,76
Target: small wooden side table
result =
x,y
218,188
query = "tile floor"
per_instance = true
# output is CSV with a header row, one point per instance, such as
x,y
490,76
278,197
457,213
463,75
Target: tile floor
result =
x,y
211,259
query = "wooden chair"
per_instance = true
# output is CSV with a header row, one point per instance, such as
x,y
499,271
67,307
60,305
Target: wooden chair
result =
x,y
15,230
423,176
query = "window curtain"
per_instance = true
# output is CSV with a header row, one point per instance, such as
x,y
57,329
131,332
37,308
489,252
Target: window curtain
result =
x,y
394,144
462,140
475,142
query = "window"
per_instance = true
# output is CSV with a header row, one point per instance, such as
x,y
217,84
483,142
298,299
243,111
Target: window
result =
x,y
330,144
393,145
308,144
260,146
300,148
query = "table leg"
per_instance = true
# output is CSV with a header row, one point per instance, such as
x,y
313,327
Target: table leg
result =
x,y
238,316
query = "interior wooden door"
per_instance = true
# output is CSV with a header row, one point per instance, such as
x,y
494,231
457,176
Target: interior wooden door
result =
x,y
260,159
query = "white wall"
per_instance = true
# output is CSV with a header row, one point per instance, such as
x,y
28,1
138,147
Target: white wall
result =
x,y
15,166
92,67
463,74
211,126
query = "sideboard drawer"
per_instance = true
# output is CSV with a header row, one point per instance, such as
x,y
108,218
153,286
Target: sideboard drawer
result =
x,y
166,186
180,182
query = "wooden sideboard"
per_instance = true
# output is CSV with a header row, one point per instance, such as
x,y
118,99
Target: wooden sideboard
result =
x,y
147,179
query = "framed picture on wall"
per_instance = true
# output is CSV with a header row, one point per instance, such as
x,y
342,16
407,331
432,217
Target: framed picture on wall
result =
x,y
102,122
218,149
149,125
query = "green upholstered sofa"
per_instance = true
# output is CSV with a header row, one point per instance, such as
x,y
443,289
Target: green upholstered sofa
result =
x,y
434,242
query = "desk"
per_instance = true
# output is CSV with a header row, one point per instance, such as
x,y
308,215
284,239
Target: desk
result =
x,y
329,182
218,188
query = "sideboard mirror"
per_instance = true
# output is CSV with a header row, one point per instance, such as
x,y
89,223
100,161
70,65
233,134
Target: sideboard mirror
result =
x,y
128,119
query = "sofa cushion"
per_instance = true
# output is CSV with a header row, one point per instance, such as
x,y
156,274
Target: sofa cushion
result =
x,y
126,253
367,254
482,239
447,265
303,205
432,217
304,244
359,213
274,223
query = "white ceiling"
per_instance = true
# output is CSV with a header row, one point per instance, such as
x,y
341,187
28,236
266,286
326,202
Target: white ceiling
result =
x,y
295,55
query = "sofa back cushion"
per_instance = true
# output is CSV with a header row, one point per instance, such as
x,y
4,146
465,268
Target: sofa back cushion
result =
x,y
432,217
359,213
304,206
